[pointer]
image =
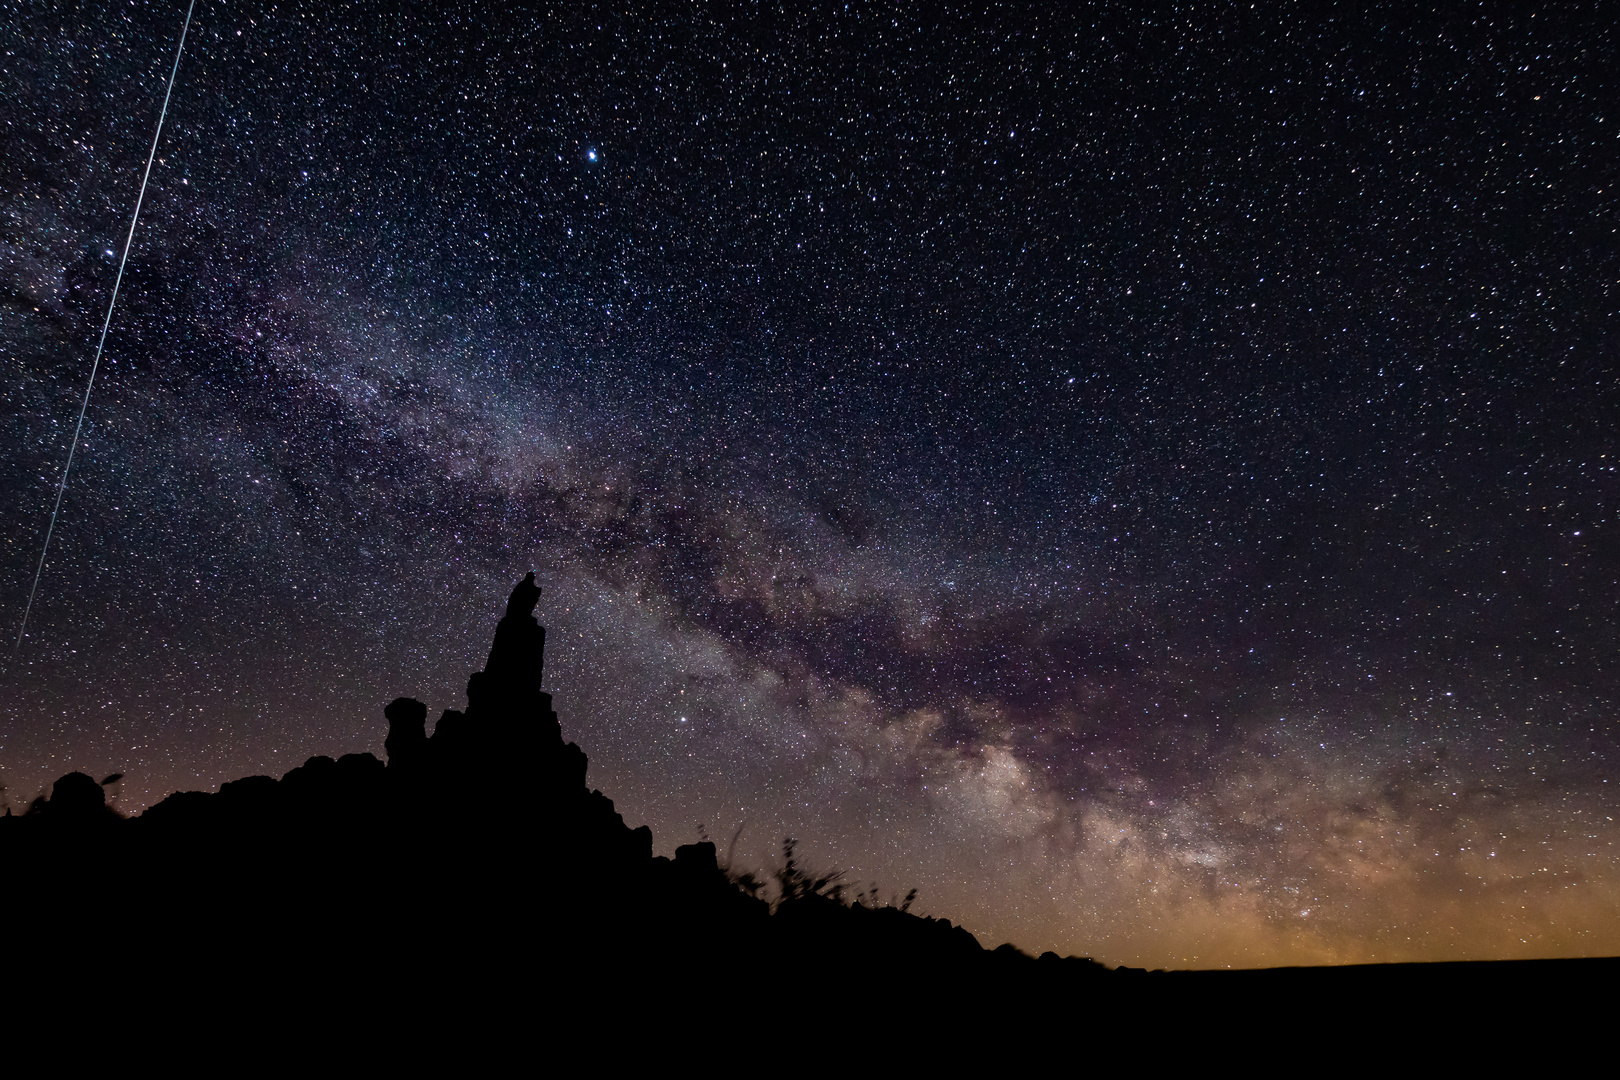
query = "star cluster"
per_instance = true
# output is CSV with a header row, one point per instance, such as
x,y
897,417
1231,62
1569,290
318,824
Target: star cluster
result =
x,y
1140,474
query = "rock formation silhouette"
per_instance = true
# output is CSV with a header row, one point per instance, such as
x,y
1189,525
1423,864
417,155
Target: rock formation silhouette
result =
x,y
479,868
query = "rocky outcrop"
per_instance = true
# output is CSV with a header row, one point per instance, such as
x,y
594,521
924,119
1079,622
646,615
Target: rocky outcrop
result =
x,y
472,856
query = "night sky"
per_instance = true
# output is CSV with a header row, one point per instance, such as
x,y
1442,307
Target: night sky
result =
x,y
1145,477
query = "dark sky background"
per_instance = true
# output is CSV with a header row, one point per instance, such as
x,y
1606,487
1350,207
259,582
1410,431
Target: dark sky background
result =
x,y
1143,476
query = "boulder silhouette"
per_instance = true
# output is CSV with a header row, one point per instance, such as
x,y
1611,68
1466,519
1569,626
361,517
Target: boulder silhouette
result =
x,y
407,739
77,799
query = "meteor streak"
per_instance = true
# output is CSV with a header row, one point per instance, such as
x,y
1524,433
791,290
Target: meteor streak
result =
x,y
61,488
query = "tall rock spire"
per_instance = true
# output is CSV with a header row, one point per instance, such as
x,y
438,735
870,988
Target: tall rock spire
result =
x,y
519,652
509,685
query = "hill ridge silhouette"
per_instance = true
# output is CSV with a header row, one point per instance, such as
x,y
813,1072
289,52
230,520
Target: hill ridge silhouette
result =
x,y
523,875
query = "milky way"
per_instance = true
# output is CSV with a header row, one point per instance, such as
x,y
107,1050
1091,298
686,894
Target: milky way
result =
x,y
1142,478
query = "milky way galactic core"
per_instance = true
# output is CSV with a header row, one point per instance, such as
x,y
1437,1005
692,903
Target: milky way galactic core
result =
x,y
1142,476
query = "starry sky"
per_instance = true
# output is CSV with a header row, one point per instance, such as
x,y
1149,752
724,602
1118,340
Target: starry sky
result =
x,y
1144,476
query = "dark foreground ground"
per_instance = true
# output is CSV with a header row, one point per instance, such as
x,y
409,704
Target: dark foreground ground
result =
x,y
334,903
